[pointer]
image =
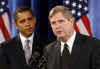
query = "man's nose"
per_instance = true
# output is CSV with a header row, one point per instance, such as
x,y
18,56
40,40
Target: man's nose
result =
x,y
57,25
27,22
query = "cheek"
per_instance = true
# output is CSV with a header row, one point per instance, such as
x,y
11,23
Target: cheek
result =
x,y
33,25
19,27
53,28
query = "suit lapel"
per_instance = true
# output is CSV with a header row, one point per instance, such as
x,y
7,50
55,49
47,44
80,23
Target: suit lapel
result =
x,y
57,48
20,52
35,43
35,50
35,46
56,55
76,49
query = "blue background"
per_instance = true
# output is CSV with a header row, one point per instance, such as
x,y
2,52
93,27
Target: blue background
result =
x,y
94,15
41,10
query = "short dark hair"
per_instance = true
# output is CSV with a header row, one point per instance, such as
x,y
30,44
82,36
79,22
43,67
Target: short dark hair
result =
x,y
22,9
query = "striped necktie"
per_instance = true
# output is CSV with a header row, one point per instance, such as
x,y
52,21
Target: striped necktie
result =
x,y
27,51
65,58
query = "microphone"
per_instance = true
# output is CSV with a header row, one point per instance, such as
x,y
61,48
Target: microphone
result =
x,y
34,60
37,61
42,63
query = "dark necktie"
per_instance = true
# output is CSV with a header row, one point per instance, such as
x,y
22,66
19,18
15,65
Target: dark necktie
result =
x,y
66,51
65,58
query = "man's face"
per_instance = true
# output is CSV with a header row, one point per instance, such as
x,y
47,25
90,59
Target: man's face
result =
x,y
25,23
61,26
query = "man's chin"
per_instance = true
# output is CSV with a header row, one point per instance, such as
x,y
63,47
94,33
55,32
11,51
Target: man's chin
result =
x,y
29,34
60,36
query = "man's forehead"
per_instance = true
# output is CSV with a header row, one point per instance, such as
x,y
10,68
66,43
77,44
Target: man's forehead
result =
x,y
57,16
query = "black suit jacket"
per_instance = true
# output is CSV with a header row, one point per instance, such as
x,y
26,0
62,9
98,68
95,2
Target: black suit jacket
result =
x,y
85,54
12,54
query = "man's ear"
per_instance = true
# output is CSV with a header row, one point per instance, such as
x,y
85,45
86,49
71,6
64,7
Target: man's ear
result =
x,y
34,20
72,20
15,24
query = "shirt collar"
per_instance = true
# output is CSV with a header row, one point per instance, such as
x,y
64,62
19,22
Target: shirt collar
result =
x,y
70,42
23,39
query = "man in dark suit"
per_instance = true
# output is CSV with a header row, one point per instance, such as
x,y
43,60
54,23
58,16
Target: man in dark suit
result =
x,y
71,50
13,53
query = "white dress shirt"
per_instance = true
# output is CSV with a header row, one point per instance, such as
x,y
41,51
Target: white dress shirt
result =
x,y
70,43
23,41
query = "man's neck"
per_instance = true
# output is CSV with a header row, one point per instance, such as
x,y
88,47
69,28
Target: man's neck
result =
x,y
67,37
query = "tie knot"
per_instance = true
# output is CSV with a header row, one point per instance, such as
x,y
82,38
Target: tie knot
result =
x,y
27,43
65,45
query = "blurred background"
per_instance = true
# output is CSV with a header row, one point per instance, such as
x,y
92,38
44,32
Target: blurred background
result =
x,y
86,13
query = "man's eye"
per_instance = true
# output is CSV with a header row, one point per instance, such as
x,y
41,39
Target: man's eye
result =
x,y
53,23
30,18
61,21
22,21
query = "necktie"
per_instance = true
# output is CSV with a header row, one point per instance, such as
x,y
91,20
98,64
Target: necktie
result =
x,y
27,51
65,58
66,51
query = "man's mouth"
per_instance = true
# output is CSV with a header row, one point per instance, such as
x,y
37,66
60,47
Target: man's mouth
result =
x,y
28,28
59,32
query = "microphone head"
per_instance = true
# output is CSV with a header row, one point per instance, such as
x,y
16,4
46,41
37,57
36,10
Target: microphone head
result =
x,y
36,53
34,60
